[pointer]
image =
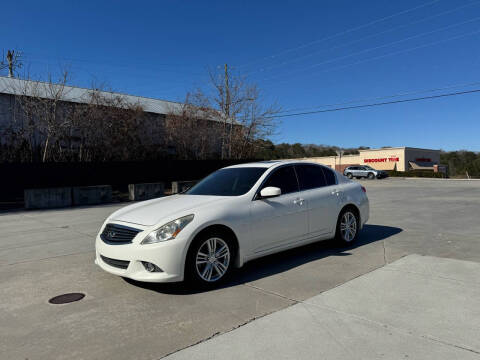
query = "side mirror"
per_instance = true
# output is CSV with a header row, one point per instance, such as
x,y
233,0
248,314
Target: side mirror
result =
x,y
270,191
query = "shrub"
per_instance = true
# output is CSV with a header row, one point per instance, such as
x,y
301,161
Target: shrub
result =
x,y
415,173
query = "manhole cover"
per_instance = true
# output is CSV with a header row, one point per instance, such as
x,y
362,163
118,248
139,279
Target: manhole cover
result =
x,y
66,298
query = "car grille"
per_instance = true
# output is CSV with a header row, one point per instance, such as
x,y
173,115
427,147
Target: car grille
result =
x,y
121,264
118,234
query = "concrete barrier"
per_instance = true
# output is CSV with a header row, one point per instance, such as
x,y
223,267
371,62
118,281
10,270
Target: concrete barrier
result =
x,y
48,198
138,192
180,186
90,195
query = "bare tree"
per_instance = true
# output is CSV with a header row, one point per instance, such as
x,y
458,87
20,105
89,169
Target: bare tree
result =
x,y
109,127
51,123
193,128
227,94
38,115
237,114
13,62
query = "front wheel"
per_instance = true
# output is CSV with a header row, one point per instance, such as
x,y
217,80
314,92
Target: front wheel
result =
x,y
371,176
210,259
347,226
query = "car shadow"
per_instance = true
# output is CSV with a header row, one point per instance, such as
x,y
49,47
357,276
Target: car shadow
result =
x,y
280,262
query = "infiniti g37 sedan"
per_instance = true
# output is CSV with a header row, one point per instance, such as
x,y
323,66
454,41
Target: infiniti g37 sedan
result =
x,y
234,215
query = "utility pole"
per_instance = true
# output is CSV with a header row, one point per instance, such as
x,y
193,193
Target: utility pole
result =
x,y
227,93
227,116
340,153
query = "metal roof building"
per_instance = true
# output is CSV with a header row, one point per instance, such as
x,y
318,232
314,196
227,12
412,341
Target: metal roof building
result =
x,y
13,86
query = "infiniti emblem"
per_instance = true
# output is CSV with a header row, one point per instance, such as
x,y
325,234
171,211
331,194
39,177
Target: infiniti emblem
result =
x,y
111,234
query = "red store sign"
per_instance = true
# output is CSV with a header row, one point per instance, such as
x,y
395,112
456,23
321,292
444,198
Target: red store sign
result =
x,y
389,159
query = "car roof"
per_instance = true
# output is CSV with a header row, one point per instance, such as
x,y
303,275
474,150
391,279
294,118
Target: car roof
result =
x,y
271,163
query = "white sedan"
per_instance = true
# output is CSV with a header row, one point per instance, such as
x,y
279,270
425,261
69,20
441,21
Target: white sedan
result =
x,y
234,215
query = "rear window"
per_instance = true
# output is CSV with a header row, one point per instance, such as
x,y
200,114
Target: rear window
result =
x,y
329,176
283,178
310,176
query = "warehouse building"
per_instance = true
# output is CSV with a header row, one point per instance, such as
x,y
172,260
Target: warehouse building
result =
x,y
48,105
391,158
11,87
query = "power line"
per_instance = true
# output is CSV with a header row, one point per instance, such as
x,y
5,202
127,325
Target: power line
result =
x,y
415,92
384,45
378,104
340,33
386,55
295,59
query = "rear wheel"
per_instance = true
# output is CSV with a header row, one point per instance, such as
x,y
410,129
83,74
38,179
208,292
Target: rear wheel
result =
x,y
349,175
347,226
210,259
371,176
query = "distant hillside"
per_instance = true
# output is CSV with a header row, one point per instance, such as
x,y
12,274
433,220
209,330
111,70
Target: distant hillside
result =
x,y
268,150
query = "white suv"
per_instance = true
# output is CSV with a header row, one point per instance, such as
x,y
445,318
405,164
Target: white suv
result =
x,y
364,171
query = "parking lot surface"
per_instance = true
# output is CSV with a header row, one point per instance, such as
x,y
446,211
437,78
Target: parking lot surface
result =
x,y
51,252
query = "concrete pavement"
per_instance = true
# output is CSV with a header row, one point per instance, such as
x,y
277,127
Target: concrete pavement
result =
x,y
417,307
50,252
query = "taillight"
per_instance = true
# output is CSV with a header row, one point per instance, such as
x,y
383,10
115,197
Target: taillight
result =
x,y
363,189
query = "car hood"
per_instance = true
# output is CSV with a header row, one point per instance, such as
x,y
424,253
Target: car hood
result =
x,y
152,212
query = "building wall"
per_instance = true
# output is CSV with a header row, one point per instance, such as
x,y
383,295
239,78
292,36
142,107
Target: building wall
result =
x,y
384,159
381,159
151,132
422,156
5,109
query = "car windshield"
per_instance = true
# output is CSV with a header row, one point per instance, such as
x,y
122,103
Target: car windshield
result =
x,y
368,168
228,182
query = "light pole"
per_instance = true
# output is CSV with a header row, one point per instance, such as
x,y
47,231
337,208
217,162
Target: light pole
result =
x,y
339,153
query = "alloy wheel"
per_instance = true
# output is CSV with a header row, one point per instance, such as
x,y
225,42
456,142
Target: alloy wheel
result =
x,y
212,259
348,226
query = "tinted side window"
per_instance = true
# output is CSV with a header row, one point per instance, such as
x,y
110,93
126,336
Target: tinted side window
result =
x,y
310,176
330,176
283,178
228,182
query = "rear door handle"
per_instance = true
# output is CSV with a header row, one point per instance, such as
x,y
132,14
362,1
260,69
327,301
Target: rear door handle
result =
x,y
298,201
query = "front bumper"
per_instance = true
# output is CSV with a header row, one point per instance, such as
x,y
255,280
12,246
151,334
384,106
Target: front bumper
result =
x,y
169,256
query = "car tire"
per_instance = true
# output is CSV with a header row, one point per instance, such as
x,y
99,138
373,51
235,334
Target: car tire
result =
x,y
349,175
371,176
207,264
347,226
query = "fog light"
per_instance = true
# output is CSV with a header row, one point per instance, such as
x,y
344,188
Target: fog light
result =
x,y
151,267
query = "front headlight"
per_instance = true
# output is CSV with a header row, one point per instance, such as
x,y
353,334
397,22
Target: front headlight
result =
x,y
168,231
